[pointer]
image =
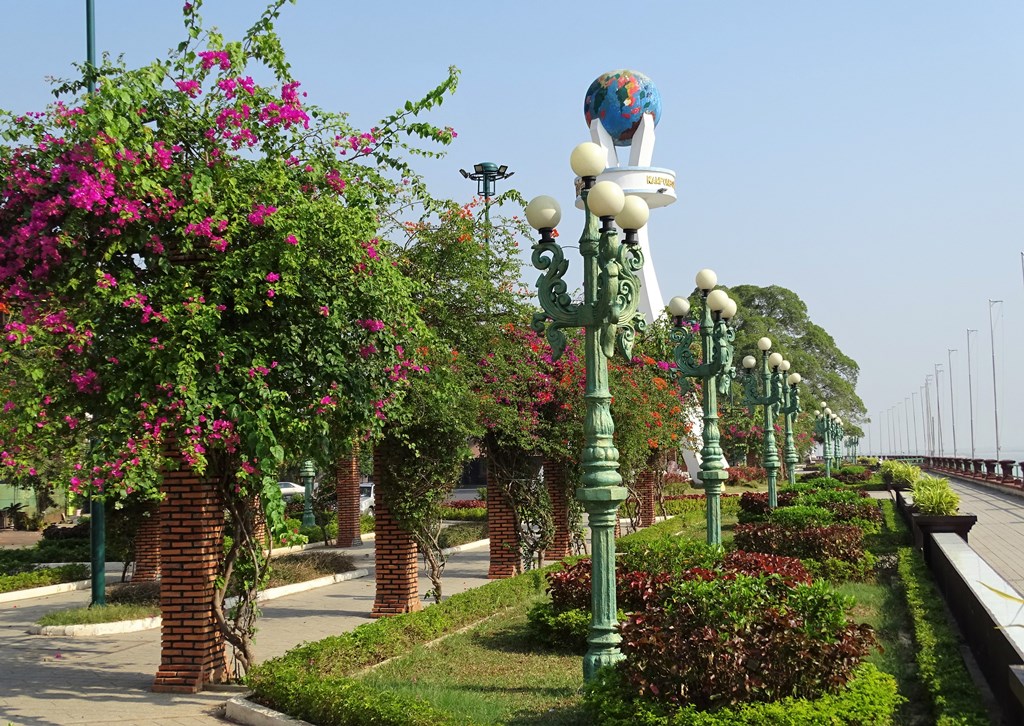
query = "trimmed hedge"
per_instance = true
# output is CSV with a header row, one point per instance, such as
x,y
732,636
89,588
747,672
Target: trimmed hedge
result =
x,y
870,699
941,668
44,576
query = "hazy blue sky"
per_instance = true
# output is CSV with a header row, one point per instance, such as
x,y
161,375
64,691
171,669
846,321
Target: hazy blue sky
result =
x,y
866,155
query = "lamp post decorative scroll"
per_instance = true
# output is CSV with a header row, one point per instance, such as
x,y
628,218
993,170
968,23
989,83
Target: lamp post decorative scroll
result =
x,y
609,318
716,371
765,390
789,407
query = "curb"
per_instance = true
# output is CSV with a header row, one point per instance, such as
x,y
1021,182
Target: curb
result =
x,y
241,710
479,544
131,626
278,551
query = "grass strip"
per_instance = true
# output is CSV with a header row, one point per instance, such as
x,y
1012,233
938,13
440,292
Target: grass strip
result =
x,y
941,669
99,614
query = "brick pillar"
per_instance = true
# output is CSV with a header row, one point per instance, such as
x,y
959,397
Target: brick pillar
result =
x,y
347,483
398,582
191,548
147,547
501,529
645,493
554,480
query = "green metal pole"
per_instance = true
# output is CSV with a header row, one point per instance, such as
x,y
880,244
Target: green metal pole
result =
x,y
712,466
97,517
771,451
602,489
790,403
306,475
826,446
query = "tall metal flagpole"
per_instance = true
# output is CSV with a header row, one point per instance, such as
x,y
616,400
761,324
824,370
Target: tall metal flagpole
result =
x,y
995,398
928,406
913,407
970,387
906,420
938,404
952,401
899,433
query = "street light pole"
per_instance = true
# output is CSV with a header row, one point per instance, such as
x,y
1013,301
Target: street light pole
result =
x,y
790,408
938,404
485,174
715,372
970,388
952,400
767,396
906,420
995,398
913,409
608,316
899,432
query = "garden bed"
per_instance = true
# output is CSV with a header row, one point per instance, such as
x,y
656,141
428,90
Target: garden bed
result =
x,y
457,679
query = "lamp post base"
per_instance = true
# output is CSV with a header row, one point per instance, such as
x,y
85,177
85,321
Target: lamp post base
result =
x,y
602,506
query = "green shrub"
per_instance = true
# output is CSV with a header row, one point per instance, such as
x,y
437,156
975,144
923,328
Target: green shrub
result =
x,y
801,517
869,699
837,571
935,497
941,669
460,534
899,474
44,576
562,630
668,554
715,641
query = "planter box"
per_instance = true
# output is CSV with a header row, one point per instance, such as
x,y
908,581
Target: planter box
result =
x,y
925,525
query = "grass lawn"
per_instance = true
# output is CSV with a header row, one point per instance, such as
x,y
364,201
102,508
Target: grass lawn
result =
x,y
99,614
489,675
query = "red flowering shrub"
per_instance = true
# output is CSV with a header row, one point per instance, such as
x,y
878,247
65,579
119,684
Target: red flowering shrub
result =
x,y
838,541
754,505
718,642
742,474
465,504
756,564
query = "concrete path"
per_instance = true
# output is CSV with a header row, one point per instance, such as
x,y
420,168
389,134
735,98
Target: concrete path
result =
x,y
999,534
106,680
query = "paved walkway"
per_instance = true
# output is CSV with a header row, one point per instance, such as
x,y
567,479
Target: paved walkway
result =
x,y
106,680
999,534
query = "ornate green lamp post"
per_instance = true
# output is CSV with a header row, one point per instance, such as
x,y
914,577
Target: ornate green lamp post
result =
x,y
823,430
608,316
852,442
837,440
306,475
715,373
763,390
789,408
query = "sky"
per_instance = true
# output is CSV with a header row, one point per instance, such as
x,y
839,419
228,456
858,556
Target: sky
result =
x,y
867,156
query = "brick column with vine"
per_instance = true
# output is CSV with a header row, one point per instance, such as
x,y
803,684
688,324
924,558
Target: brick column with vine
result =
x,y
645,493
554,480
395,557
191,546
347,488
506,560
147,546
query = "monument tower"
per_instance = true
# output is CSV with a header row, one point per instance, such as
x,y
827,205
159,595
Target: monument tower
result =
x,y
622,108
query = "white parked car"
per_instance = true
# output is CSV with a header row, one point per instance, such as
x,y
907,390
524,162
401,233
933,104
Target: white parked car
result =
x,y
290,490
366,498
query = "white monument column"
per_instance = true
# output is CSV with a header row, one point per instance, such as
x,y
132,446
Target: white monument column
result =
x,y
655,185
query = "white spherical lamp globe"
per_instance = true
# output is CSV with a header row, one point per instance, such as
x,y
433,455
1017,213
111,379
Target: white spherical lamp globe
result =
x,y
775,360
717,300
679,306
587,159
706,279
784,366
543,212
729,311
764,344
793,379
749,361
634,214
606,199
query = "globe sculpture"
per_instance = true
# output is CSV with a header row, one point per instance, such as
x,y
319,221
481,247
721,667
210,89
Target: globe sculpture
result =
x,y
620,99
